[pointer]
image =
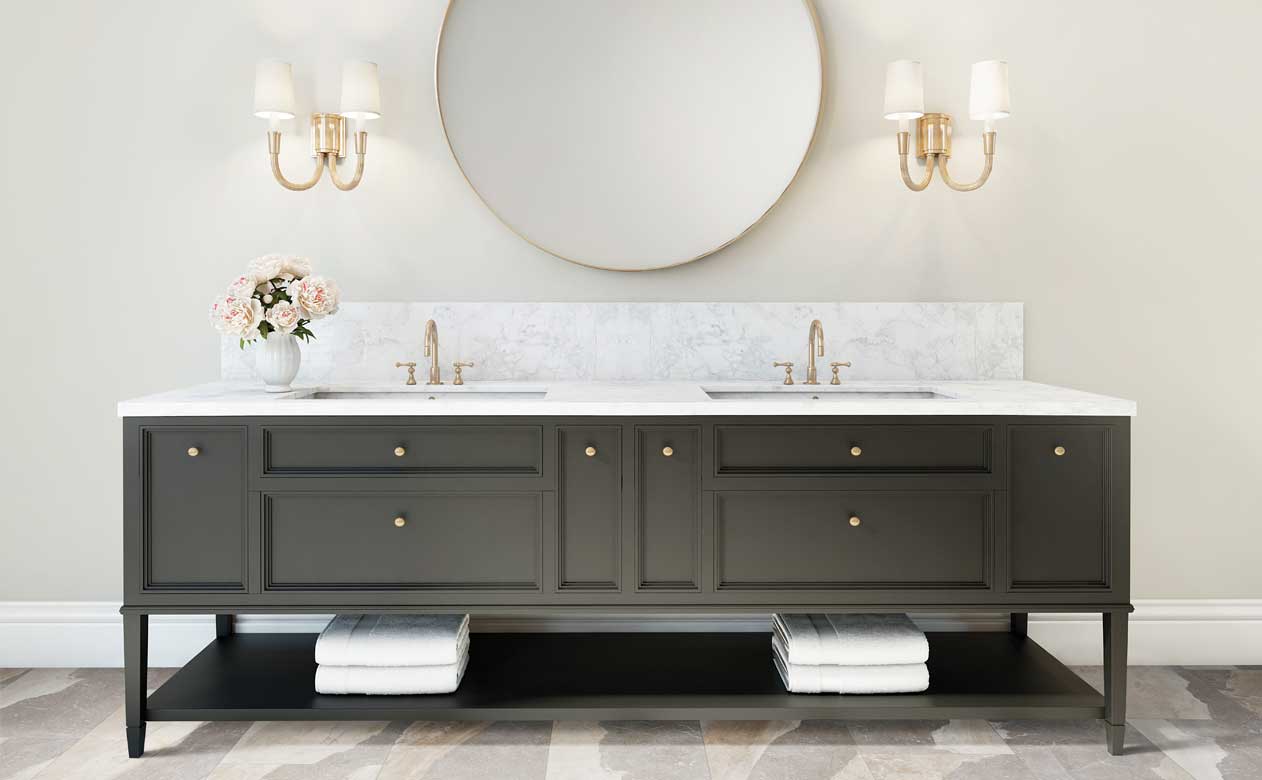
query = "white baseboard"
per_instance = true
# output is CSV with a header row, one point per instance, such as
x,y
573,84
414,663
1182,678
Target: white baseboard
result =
x,y
1162,631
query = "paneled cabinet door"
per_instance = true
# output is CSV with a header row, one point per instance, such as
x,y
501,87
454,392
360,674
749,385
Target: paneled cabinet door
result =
x,y
668,507
194,509
589,511
1059,514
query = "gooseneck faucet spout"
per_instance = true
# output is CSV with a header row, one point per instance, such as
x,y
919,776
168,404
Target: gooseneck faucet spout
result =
x,y
431,352
814,348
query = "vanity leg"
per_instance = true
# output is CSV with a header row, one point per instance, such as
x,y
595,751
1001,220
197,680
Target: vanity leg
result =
x,y
1019,624
224,627
136,663
1115,680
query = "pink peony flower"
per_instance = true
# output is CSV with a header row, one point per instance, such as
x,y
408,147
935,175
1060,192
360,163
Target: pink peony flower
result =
x,y
318,297
284,317
241,287
238,317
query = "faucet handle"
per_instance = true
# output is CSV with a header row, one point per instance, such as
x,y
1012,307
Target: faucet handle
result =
x,y
788,371
458,365
836,380
411,367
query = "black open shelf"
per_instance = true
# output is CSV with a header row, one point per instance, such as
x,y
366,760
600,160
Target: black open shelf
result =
x,y
657,676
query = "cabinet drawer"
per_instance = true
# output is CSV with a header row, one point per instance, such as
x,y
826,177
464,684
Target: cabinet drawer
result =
x,y
801,450
194,509
807,540
449,450
1058,511
347,542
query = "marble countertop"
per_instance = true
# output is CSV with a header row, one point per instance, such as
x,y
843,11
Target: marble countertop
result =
x,y
508,399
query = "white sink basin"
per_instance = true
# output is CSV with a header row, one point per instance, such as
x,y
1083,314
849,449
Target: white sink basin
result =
x,y
796,394
430,395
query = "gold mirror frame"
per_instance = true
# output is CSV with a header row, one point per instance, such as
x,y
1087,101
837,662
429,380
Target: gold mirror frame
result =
x,y
819,111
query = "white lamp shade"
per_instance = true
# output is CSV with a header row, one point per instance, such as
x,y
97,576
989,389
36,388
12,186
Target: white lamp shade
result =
x,y
274,90
988,90
361,93
904,90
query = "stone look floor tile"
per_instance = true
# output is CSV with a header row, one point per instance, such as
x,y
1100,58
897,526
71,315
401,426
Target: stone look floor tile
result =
x,y
1153,692
44,712
470,751
782,750
627,750
298,750
1078,747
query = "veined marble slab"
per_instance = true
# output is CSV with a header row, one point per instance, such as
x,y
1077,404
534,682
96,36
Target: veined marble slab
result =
x,y
618,342
506,399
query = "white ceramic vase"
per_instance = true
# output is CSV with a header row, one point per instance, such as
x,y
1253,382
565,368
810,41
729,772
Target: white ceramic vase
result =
x,y
277,358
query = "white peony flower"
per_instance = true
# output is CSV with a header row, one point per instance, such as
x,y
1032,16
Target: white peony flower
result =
x,y
318,297
238,317
297,266
241,287
284,317
266,267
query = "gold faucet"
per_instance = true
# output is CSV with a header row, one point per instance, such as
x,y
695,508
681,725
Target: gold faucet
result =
x,y
431,352
814,346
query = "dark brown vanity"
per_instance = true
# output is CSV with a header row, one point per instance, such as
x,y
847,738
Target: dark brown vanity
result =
x,y
581,515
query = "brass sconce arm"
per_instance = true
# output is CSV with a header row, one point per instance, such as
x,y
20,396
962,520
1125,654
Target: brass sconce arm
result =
x,y
931,160
361,145
273,150
988,147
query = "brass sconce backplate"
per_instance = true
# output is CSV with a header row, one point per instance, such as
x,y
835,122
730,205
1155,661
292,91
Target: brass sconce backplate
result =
x,y
328,134
933,135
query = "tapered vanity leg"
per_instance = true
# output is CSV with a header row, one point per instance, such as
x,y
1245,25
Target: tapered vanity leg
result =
x,y
1019,623
1115,680
224,626
136,668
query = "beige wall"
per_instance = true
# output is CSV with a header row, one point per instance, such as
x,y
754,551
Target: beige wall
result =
x,y
1123,211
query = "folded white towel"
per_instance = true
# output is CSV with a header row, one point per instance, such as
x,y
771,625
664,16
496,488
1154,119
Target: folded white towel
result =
x,y
882,678
393,640
390,680
850,639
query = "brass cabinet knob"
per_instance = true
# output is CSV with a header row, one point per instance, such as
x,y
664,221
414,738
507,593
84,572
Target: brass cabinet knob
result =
x,y
856,450
400,521
1058,451
591,452
668,451
399,452
854,521
193,452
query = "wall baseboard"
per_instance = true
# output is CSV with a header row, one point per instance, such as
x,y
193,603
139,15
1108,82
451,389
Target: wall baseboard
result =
x,y
1162,631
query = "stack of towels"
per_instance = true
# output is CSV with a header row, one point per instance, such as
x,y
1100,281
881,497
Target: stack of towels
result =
x,y
850,653
392,654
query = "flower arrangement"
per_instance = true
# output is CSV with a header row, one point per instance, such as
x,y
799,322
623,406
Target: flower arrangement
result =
x,y
276,294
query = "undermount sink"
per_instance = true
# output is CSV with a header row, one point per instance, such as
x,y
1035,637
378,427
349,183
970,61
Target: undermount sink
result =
x,y
431,395
815,394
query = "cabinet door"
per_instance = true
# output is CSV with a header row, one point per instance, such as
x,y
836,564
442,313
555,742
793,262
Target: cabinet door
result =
x,y
194,511
589,508
668,507
1059,506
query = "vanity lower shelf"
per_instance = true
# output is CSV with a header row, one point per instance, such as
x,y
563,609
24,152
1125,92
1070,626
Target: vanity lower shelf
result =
x,y
602,676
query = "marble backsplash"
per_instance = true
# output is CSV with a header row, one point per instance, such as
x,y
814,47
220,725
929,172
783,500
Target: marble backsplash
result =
x,y
659,341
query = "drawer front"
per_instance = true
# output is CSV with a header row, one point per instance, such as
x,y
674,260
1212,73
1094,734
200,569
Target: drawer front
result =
x,y
807,540
346,542
789,450
668,507
464,450
589,508
1058,511
194,511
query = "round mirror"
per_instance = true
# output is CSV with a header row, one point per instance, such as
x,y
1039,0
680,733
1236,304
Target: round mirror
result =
x,y
629,134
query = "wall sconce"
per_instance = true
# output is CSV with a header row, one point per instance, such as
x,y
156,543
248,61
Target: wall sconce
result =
x,y
361,101
905,101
